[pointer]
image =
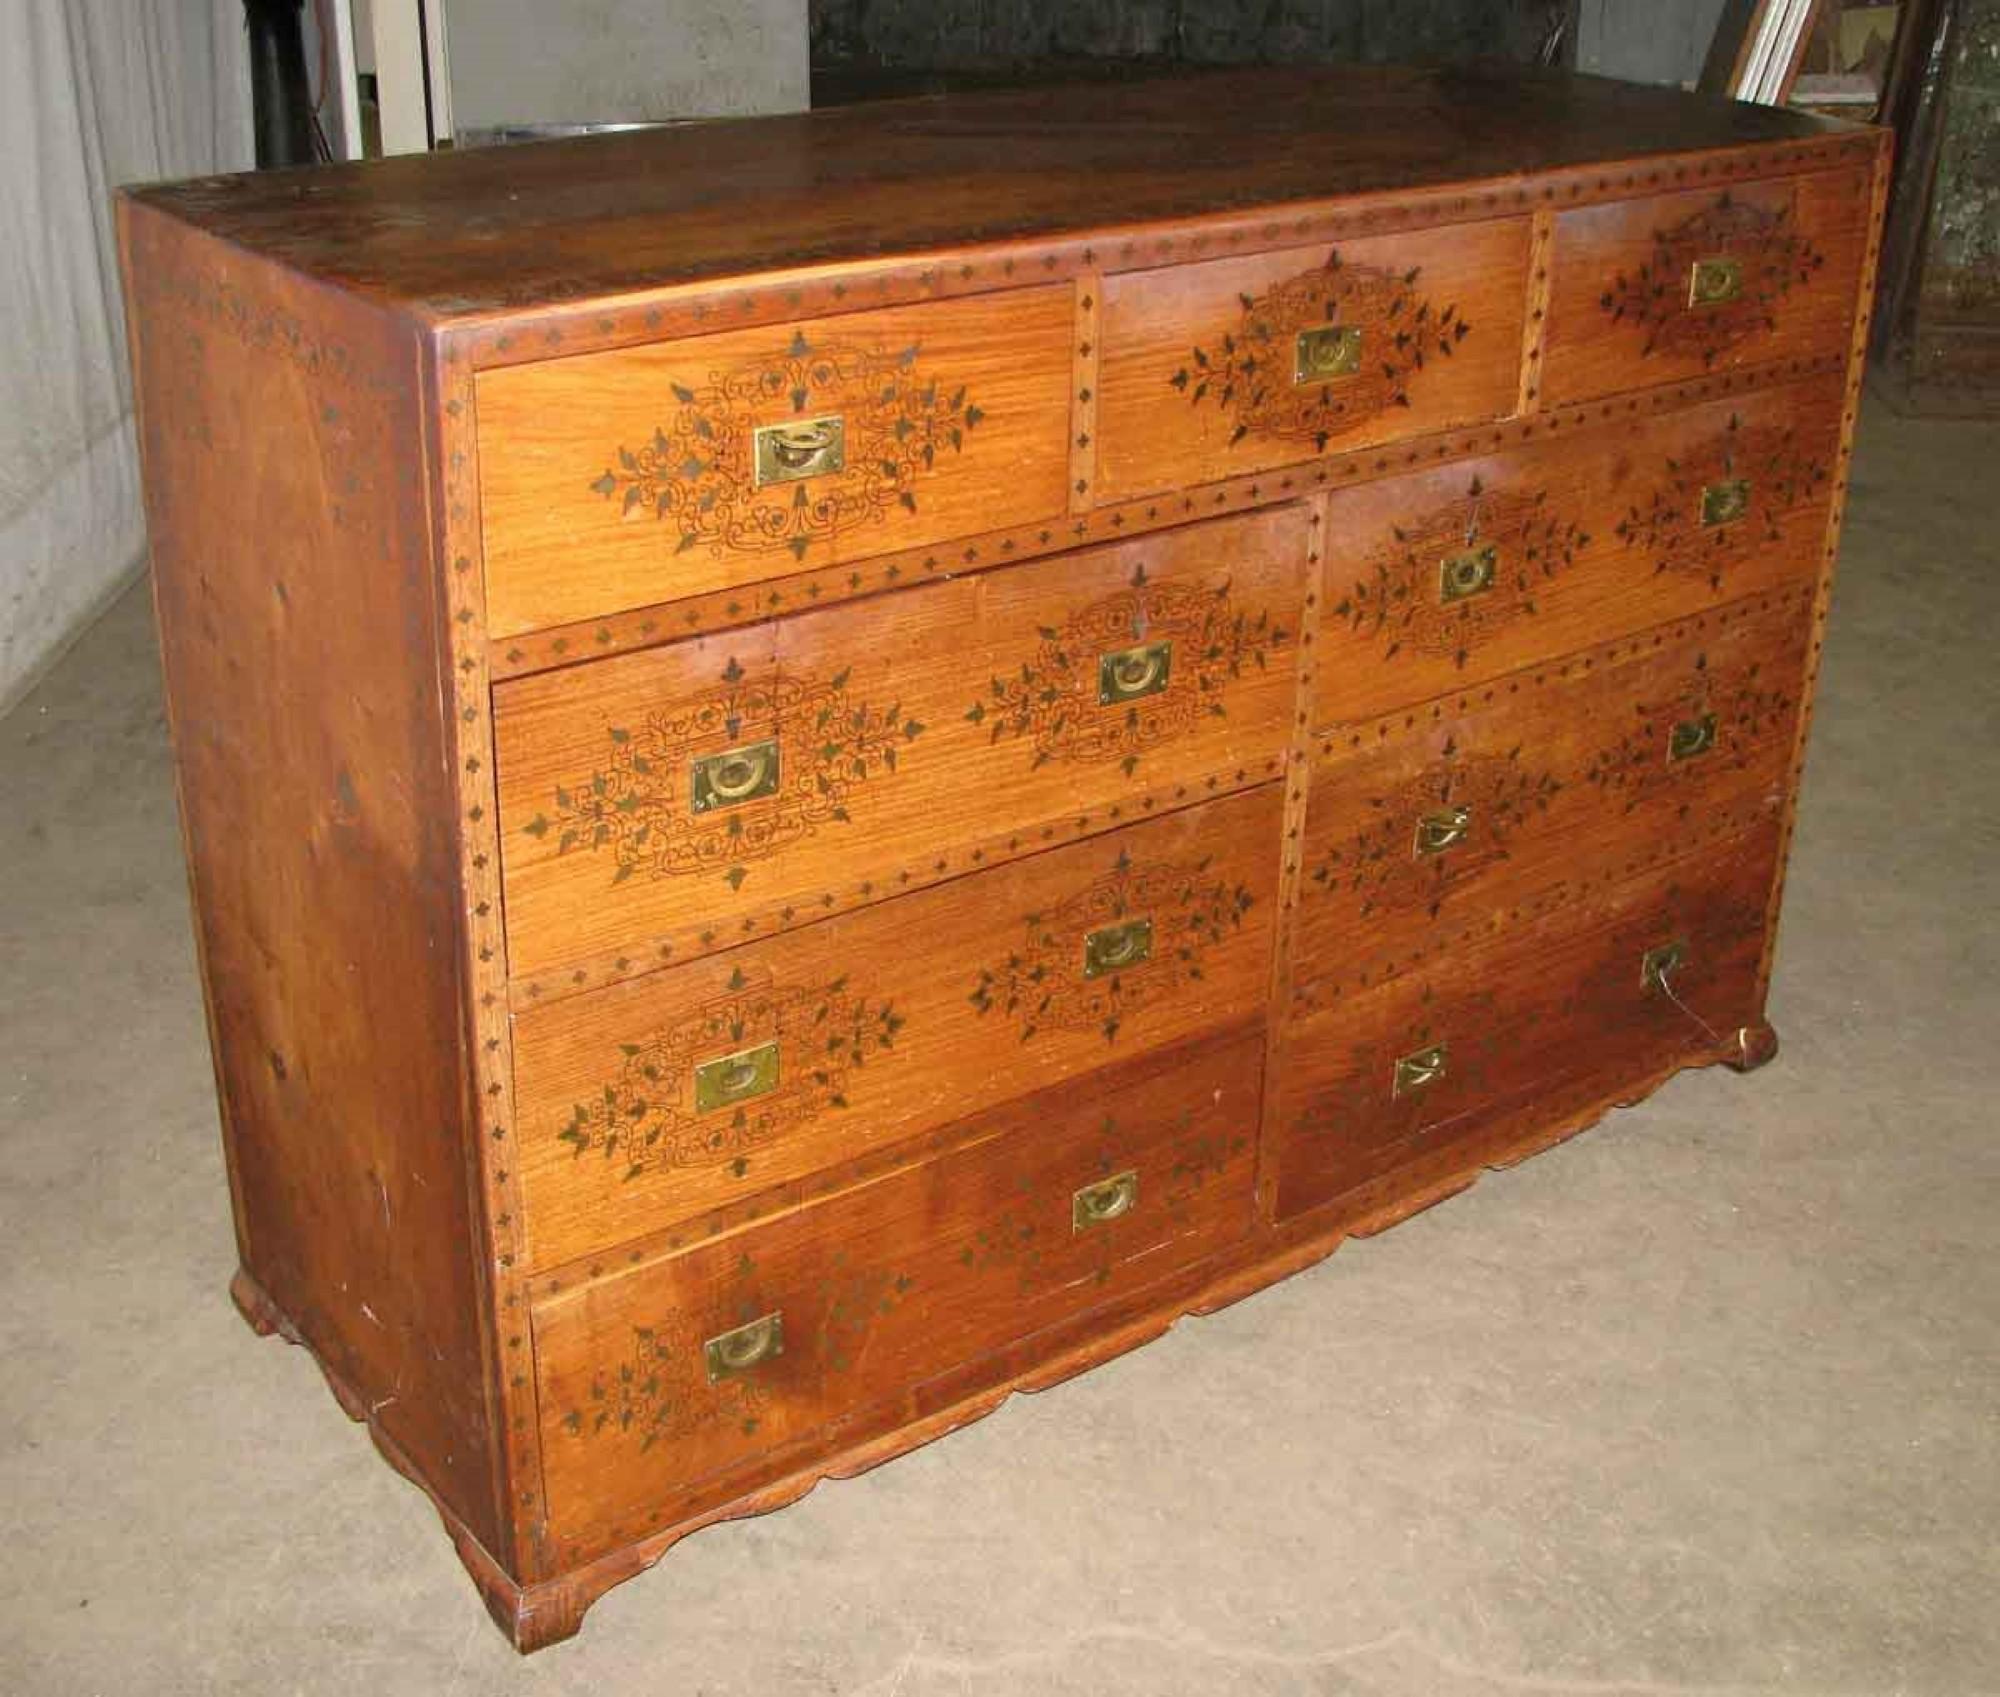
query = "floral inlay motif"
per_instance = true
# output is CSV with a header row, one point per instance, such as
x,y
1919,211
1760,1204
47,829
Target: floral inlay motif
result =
x,y
637,807
661,1391
1398,598
1769,459
1052,700
645,1118
698,472
1042,983
1765,243
1376,865
1249,373
1744,704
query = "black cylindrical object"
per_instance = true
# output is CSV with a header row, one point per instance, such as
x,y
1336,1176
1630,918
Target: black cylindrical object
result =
x,y
281,101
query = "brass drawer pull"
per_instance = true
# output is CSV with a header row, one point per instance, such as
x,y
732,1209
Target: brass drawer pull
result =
x,y
1418,1070
741,1348
734,776
1134,672
1724,502
1437,832
1691,737
1658,964
1715,281
809,447
1107,1200
1462,576
1331,350
729,1079
1112,948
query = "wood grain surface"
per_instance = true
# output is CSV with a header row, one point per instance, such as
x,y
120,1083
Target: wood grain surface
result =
x,y
1198,375
897,737
1598,531
883,1023
619,479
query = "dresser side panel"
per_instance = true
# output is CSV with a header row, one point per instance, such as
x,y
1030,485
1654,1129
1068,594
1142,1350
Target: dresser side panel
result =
x,y
282,441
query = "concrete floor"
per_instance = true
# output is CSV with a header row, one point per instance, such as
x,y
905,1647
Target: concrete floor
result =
x,y
1707,1400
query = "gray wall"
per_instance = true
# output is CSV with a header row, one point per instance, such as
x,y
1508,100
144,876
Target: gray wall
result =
x,y
1661,41
604,61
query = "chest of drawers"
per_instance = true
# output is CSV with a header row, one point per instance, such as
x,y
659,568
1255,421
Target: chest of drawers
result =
x,y
835,766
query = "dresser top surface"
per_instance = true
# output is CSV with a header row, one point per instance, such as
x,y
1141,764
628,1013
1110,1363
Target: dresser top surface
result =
x,y
458,235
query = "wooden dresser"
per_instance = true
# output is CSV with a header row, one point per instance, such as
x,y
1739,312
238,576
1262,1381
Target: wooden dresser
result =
x,y
834,766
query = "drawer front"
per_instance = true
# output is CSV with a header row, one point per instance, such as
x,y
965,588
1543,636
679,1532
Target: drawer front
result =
x,y
656,1378
1658,290
1444,1053
1237,365
1425,832
1450,577
615,480
654,1101
661,797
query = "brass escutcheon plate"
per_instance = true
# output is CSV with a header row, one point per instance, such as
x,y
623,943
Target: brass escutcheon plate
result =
x,y
1715,281
1330,350
1418,1070
1133,673
1107,1200
1724,502
1113,948
734,776
729,1079
1691,737
1464,575
1659,962
743,1347
806,447
1439,832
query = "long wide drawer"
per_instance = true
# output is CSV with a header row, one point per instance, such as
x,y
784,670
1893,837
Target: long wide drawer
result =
x,y
751,780
1670,287
614,480
1444,578
1612,989
1232,366
1428,830
660,1376
653,1101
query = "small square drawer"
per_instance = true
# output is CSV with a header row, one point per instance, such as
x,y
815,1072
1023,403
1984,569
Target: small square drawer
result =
x,y
1231,366
1655,970
615,480
1658,290
703,1084
1443,579
759,777
743,1352
1428,831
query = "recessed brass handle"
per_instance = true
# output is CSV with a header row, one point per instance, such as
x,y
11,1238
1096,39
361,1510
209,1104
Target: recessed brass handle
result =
x,y
734,776
1715,281
1437,832
1330,350
1113,948
1464,575
1107,1200
1418,1070
1131,673
1724,502
741,1348
1659,963
729,1079
1691,737
807,447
